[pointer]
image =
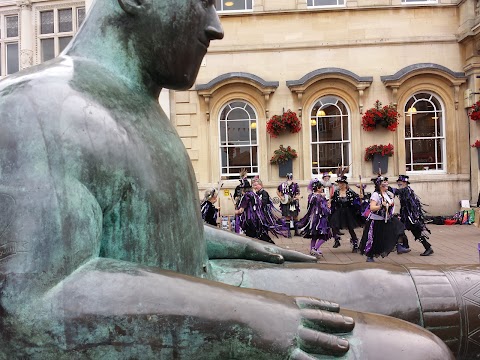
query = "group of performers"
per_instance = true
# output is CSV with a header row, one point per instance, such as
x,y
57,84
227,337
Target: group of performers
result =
x,y
330,208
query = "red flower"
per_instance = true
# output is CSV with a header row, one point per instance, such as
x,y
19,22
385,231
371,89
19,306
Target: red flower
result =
x,y
387,116
279,124
384,150
476,144
474,113
282,154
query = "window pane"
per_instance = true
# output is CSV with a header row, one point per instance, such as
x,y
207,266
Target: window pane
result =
x,y
1,58
329,155
223,133
239,157
344,119
46,22
423,125
238,139
63,42
231,5
238,132
65,20
80,16
12,58
325,2
12,26
48,49
330,146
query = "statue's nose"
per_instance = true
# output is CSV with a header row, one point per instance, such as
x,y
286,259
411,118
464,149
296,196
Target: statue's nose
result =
x,y
214,29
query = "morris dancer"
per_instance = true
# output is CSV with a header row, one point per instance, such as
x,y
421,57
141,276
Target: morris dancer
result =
x,y
412,213
344,201
289,194
379,234
238,189
209,211
328,186
251,218
314,225
271,213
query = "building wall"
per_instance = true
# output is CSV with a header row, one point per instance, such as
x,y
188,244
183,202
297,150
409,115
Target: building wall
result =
x,y
284,41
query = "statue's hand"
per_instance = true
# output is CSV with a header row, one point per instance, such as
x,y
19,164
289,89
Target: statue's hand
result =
x,y
316,334
223,244
262,251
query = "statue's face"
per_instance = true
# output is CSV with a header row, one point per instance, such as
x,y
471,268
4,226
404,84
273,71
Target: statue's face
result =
x,y
181,33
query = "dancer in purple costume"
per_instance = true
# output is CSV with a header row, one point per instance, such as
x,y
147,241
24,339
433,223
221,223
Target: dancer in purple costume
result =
x,y
345,204
271,213
380,233
207,207
412,213
289,194
251,218
314,225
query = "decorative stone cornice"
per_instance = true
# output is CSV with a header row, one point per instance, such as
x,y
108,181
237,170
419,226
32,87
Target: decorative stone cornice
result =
x,y
266,88
24,4
455,79
360,83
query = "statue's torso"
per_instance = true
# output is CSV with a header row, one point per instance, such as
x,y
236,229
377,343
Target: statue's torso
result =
x,y
112,175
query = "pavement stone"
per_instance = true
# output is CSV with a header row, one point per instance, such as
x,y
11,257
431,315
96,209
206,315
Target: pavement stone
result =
x,y
452,244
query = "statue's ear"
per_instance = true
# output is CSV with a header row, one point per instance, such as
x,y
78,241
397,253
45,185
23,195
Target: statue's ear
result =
x,y
135,7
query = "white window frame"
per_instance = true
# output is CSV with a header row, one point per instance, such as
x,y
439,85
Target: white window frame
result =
x,y
250,169
56,35
319,123
418,2
5,41
315,6
227,11
442,137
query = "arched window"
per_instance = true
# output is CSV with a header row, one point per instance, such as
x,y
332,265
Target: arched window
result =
x,y
330,135
424,133
238,138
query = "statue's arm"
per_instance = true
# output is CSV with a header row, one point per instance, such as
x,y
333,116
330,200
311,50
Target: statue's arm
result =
x,y
108,302
223,244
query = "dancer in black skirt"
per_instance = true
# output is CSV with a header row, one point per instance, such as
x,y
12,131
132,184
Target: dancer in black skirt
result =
x,y
207,207
380,233
343,205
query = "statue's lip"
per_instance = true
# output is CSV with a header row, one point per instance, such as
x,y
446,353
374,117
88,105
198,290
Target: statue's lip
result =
x,y
205,43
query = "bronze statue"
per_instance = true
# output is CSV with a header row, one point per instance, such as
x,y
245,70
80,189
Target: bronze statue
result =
x,y
102,250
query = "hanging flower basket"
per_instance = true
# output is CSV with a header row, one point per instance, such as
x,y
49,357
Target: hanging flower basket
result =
x,y
379,155
474,113
383,150
386,116
287,122
476,145
283,154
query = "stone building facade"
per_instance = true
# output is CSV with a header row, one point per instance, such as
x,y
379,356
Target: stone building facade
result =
x,y
326,60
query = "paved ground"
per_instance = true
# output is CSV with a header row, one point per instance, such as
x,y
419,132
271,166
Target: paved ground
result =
x,y
452,244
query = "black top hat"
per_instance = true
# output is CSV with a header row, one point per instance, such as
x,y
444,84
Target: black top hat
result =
x,y
342,179
379,179
403,178
245,184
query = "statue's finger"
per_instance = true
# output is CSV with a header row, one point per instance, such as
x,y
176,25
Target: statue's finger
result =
x,y
318,342
265,254
305,302
327,321
298,354
296,256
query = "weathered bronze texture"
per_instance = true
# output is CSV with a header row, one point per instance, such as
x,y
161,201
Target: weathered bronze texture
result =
x,y
443,299
103,254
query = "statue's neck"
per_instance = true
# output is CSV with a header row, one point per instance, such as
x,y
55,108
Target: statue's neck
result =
x,y
102,40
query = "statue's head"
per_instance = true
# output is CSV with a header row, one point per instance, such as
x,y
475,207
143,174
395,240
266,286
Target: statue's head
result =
x,y
171,37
